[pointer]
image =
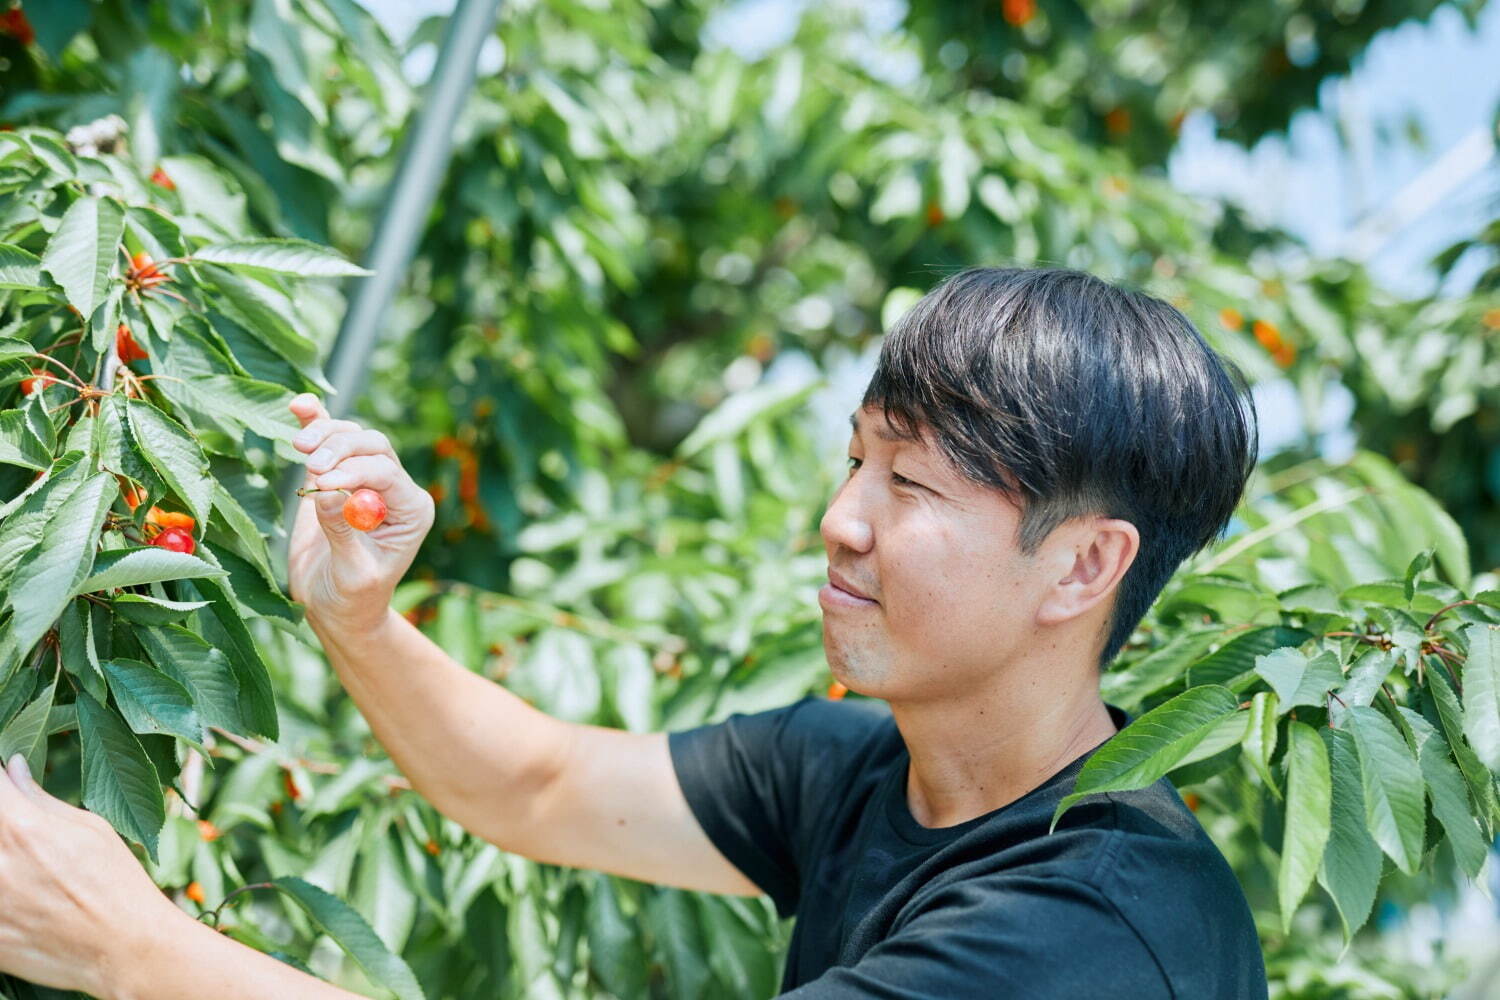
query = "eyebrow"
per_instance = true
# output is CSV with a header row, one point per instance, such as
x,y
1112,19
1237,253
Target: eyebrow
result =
x,y
884,433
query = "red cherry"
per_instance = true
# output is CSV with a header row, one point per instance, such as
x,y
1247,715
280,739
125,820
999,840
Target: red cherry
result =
x,y
126,347
176,540
160,179
364,510
42,379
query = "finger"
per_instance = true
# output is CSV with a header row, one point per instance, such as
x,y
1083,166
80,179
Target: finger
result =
x,y
307,408
317,432
343,540
346,444
380,473
15,787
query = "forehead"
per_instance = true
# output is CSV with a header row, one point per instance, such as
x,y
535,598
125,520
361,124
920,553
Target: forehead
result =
x,y
872,421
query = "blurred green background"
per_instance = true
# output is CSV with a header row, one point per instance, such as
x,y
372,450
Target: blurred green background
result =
x,y
648,292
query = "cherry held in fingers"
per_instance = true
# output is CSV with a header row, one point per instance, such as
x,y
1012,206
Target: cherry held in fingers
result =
x,y
364,510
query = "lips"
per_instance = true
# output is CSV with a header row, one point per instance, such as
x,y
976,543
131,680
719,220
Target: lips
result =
x,y
842,583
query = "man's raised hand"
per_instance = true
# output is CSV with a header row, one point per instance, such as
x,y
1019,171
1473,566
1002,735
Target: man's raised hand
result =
x,y
345,577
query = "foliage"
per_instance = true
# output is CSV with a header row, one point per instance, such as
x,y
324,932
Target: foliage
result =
x,y
636,230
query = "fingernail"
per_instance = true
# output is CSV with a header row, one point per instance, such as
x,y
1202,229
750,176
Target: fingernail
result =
x,y
320,459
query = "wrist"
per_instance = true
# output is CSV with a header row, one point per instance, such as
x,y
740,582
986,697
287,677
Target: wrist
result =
x,y
132,959
344,622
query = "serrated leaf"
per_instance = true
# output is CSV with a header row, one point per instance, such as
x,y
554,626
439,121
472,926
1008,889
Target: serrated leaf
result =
x,y
19,269
204,671
1309,800
1446,793
286,256
1351,862
149,564
1161,667
1231,662
143,609
1153,744
257,702
1362,682
19,444
152,702
1482,693
1298,680
174,454
1481,783
1260,737
27,732
350,932
119,781
81,253
44,583
260,406
1395,804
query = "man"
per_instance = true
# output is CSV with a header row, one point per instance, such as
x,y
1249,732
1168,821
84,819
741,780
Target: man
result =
x,y
1036,453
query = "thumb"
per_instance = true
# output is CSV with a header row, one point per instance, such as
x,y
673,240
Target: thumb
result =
x,y
20,773
343,540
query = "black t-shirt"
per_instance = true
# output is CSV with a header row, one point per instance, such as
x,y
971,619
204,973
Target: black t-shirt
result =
x,y
1128,897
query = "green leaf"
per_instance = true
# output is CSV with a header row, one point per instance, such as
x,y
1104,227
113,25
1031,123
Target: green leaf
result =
x,y
1233,664
19,445
1481,783
1298,680
257,702
615,952
1351,862
1152,745
149,564
19,269
204,671
1395,805
1362,682
260,406
350,932
1482,693
286,256
733,415
1445,791
152,702
174,454
119,781
44,583
1309,799
143,609
81,253
27,732
1260,737
1128,687
678,940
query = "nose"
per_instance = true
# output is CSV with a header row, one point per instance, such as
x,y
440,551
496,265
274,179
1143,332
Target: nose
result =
x,y
845,523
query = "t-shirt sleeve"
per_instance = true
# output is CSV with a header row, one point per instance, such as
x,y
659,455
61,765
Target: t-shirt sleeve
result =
x,y
748,781
1002,938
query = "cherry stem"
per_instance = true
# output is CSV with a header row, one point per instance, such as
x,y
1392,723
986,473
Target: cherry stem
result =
x,y
77,382
305,490
1444,610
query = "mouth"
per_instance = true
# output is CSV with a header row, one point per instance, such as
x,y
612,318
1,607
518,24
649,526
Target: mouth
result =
x,y
839,592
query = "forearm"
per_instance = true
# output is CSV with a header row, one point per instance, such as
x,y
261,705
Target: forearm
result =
x,y
463,741
183,959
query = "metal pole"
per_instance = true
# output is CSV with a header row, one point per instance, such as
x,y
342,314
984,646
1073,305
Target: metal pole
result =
x,y
414,187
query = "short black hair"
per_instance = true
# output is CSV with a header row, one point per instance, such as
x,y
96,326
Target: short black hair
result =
x,y
1076,397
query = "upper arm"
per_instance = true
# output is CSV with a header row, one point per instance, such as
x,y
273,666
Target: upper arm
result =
x,y
1033,937
613,803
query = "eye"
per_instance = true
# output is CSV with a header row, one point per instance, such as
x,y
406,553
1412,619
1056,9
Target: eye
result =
x,y
903,481
854,463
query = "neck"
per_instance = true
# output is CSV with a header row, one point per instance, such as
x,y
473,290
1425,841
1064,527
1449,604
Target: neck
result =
x,y
978,751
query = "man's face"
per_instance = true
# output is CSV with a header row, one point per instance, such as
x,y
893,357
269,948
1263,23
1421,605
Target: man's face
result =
x,y
951,596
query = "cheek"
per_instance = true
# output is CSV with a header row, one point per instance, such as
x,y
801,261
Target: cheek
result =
x,y
955,584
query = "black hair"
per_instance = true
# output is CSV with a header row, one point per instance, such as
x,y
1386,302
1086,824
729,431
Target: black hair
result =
x,y
1076,397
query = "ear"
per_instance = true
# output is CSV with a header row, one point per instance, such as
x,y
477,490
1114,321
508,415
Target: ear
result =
x,y
1092,555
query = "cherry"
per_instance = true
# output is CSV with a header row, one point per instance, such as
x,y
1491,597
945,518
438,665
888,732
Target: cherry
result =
x,y
126,347
165,519
160,179
176,540
364,510
43,379
133,495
